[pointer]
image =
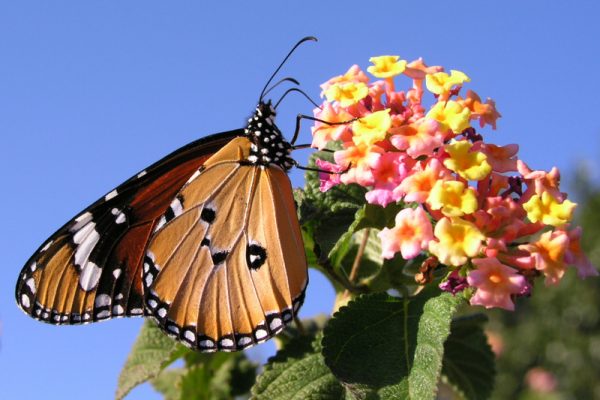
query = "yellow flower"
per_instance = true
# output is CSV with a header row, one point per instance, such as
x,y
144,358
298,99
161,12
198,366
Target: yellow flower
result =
x,y
441,83
457,241
545,208
450,115
372,128
452,198
472,166
386,66
347,93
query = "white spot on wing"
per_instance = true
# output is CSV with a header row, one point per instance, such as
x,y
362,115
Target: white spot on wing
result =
x,y
102,300
161,222
275,323
136,311
260,334
189,335
111,195
86,239
117,273
194,176
31,283
141,174
25,300
47,246
80,221
177,207
118,309
90,275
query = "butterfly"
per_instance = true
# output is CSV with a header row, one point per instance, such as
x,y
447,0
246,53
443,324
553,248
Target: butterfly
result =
x,y
205,241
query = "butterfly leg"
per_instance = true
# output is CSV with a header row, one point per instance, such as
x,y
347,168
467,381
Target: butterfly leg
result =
x,y
322,170
300,117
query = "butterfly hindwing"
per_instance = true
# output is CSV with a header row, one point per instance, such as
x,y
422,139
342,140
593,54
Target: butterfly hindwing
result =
x,y
206,241
227,269
91,268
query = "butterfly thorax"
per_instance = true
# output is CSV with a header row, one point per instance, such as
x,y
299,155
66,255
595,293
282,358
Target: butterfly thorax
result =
x,y
268,144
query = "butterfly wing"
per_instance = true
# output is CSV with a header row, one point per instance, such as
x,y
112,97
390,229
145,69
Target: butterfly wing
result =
x,y
229,270
90,269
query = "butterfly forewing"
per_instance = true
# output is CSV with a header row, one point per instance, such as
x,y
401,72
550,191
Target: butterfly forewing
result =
x,y
90,269
227,271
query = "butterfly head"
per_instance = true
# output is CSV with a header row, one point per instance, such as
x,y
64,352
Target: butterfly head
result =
x,y
269,147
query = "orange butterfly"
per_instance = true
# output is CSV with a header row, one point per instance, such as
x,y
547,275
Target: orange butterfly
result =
x,y
206,241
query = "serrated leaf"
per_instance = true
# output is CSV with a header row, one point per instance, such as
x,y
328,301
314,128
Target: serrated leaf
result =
x,y
469,363
151,352
298,372
390,345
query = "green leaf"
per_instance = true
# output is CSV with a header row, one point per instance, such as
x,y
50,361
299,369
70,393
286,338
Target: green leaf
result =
x,y
298,372
394,347
469,363
326,216
374,271
152,352
168,383
216,376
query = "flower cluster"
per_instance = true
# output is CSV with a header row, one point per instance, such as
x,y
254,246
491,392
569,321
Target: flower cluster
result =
x,y
474,206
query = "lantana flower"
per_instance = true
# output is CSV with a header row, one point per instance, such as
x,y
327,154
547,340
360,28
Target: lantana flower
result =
x,y
451,115
457,240
470,165
453,198
548,210
386,66
347,93
495,283
470,205
411,234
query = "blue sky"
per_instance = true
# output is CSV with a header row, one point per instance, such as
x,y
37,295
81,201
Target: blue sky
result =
x,y
92,92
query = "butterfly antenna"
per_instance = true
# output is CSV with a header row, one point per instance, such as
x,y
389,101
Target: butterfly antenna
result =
x,y
307,38
288,79
295,90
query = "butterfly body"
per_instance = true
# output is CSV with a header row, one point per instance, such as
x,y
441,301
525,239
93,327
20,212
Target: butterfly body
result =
x,y
206,241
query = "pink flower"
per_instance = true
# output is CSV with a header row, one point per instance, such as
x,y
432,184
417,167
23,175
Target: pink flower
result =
x,y
388,171
358,158
501,158
539,182
354,74
418,184
549,255
420,138
410,236
325,133
328,180
495,283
